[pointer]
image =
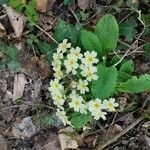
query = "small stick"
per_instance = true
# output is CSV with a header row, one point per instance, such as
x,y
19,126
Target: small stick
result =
x,y
121,133
46,33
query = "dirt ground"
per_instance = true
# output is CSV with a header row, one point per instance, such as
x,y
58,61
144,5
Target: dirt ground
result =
x,y
21,124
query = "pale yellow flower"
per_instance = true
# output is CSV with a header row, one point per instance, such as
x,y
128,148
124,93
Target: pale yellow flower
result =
x,y
95,106
57,56
71,64
83,86
89,72
62,47
62,116
110,104
100,114
90,58
58,73
55,87
77,103
76,52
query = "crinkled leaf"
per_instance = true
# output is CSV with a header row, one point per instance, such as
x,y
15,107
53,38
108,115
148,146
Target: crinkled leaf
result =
x,y
146,19
135,84
64,30
3,2
147,50
46,49
123,76
107,31
90,42
127,67
68,2
133,4
13,65
106,83
79,120
10,51
17,5
127,28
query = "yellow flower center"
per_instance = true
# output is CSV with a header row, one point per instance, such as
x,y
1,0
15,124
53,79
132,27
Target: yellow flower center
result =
x,y
76,54
83,86
71,62
77,103
90,59
110,105
96,105
89,73
55,85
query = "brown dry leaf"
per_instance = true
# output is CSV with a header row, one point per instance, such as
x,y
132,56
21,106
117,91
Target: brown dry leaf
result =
x,y
84,4
19,84
41,5
52,142
2,30
17,20
3,143
66,140
39,65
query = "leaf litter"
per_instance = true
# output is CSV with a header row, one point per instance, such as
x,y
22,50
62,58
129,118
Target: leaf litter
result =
x,y
24,93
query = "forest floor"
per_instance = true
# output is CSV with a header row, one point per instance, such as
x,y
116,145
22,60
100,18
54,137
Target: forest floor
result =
x,y
27,114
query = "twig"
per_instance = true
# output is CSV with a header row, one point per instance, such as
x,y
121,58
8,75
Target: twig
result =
x,y
17,106
74,15
46,33
139,17
112,122
121,133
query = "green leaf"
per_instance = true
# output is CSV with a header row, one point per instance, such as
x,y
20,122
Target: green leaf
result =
x,y
146,19
133,4
17,4
79,120
31,13
127,67
47,120
68,2
123,76
107,31
147,50
13,65
127,28
46,49
106,83
10,51
90,42
135,85
64,30
4,2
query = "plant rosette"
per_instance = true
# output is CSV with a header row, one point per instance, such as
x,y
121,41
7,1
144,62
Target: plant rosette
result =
x,y
70,88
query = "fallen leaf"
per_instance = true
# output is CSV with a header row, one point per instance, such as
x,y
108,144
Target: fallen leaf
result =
x,y
37,88
17,20
3,143
66,140
84,4
19,84
39,65
52,142
41,5
2,30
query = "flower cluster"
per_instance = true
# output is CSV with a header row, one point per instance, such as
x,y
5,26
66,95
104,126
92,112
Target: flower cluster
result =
x,y
73,73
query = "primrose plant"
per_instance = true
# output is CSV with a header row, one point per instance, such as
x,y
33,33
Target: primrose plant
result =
x,y
85,80
70,88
